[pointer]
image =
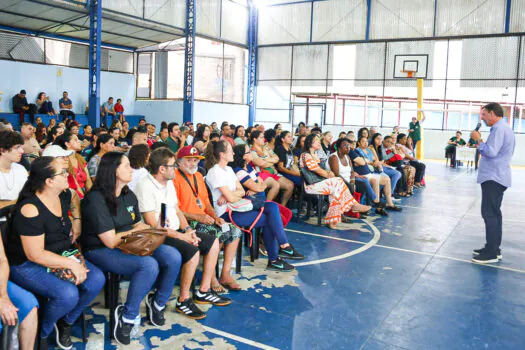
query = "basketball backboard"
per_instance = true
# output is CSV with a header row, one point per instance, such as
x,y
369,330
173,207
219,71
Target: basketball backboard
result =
x,y
410,66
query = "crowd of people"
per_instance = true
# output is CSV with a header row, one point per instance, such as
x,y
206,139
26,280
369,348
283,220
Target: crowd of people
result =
x,y
44,105
67,198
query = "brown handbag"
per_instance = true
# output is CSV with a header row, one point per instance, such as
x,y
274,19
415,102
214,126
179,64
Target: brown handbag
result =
x,y
143,242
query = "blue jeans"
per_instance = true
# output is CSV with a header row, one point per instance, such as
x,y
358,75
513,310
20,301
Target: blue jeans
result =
x,y
295,179
65,300
23,300
394,176
163,266
369,190
271,223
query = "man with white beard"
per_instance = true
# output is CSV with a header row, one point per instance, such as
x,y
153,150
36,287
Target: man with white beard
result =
x,y
195,204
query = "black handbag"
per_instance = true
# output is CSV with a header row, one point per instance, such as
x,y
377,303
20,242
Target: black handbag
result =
x,y
309,176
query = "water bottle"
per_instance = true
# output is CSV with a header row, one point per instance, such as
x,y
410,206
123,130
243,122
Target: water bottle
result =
x,y
136,331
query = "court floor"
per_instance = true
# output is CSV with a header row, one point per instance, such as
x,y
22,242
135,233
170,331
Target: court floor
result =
x,y
402,282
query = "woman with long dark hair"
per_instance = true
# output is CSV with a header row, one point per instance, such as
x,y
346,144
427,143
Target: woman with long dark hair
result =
x,y
287,165
202,137
226,188
52,135
111,211
240,135
402,146
138,159
41,134
265,160
340,198
105,144
363,132
78,177
40,250
376,146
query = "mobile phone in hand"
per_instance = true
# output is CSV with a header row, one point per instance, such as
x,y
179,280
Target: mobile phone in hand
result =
x,y
163,215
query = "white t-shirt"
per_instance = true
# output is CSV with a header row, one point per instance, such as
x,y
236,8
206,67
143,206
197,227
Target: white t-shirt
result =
x,y
11,183
344,171
136,176
151,194
219,177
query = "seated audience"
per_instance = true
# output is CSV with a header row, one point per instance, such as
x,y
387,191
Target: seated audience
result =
x,y
363,132
324,152
254,186
450,150
226,134
38,120
410,159
124,131
157,188
194,202
264,160
105,144
31,145
152,137
176,139
66,107
111,211
394,157
214,136
39,242
13,175
21,107
138,159
44,106
17,306
287,165
364,164
41,134
278,129
202,137
119,110
88,133
78,177
298,148
107,110
339,163
340,198
240,135
226,188
52,135
377,149
164,134
86,151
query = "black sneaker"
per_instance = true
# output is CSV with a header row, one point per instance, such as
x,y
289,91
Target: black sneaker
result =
x,y
122,331
393,208
63,334
290,253
210,297
156,316
485,258
189,309
279,265
482,250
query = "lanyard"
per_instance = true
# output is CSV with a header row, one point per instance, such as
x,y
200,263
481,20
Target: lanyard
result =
x,y
196,190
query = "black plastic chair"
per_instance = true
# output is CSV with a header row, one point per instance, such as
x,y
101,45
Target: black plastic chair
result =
x,y
309,203
112,298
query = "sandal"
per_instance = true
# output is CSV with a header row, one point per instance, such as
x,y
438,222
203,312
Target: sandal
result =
x,y
381,211
219,289
393,208
232,286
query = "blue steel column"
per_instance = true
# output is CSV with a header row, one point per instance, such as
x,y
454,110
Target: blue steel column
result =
x,y
507,16
189,62
368,18
95,36
252,62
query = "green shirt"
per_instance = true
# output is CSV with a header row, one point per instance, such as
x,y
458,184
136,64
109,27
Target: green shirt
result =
x,y
416,134
461,141
172,144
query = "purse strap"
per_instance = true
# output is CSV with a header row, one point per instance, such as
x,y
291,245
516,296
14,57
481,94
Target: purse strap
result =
x,y
249,230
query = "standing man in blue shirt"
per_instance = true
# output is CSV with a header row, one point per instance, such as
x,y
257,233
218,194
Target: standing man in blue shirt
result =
x,y
495,177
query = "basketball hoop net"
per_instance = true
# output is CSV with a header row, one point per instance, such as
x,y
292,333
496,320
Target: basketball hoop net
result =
x,y
409,73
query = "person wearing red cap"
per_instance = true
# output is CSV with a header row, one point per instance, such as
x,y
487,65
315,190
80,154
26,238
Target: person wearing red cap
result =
x,y
195,204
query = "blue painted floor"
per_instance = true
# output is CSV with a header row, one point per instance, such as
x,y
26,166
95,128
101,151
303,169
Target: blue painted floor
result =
x,y
402,282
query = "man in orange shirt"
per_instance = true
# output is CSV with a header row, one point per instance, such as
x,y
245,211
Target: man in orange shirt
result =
x,y
194,202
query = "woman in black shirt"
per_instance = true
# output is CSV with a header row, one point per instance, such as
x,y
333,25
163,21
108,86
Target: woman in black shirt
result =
x,y
287,165
39,246
111,211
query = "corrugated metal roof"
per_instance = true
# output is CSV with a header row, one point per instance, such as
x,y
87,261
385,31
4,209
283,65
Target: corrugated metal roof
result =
x,y
71,19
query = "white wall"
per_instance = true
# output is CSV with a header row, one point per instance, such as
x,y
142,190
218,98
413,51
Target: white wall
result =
x,y
53,80
157,111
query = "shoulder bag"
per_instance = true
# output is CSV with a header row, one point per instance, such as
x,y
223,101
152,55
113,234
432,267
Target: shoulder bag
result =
x,y
309,176
143,242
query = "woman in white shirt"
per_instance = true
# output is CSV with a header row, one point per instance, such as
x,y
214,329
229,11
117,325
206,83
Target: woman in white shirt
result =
x,y
226,188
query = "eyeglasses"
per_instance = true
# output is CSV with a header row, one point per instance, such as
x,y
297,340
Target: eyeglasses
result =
x,y
63,173
170,165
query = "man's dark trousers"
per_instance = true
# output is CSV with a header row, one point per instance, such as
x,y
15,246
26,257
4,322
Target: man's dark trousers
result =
x,y
491,198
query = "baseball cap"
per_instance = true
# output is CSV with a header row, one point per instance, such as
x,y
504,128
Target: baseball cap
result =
x,y
189,152
56,151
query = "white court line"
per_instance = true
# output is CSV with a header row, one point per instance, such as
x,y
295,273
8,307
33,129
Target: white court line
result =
x,y
371,243
239,339
409,251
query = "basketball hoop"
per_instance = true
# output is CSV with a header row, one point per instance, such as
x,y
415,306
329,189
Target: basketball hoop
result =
x,y
409,73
